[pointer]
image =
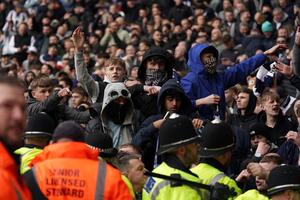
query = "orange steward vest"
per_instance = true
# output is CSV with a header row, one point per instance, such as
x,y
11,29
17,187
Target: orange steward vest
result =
x,y
12,186
71,170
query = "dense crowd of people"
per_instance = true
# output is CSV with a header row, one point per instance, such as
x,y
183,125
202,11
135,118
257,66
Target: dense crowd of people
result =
x,y
140,99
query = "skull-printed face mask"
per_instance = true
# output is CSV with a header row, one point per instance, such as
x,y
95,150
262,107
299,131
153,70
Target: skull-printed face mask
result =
x,y
210,63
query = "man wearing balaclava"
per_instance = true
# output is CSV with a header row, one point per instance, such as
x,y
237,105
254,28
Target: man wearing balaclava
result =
x,y
205,86
155,69
117,115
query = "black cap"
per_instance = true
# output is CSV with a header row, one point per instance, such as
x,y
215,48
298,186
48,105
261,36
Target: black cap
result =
x,y
175,132
260,129
216,139
103,142
70,130
210,49
283,178
40,125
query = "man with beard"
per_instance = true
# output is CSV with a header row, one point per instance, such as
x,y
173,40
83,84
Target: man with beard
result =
x,y
12,125
117,115
216,156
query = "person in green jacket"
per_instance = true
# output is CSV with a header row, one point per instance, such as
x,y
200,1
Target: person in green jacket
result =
x,y
216,148
38,134
178,145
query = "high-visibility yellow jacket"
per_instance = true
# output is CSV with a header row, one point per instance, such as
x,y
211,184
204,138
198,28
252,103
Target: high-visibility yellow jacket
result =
x,y
210,175
252,194
156,188
26,155
129,185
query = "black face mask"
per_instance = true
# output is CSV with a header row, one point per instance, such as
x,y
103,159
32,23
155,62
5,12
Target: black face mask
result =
x,y
210,65
155,77
117,112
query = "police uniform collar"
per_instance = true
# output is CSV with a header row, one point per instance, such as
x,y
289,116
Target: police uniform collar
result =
x,y
32,146
174,162
214,163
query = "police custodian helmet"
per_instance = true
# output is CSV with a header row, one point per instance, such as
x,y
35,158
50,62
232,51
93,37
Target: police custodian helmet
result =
x,y
216,139
285,177
175,132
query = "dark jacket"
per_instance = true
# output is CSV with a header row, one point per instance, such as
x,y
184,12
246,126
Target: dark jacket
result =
x,y
296,59
251,44
142,101
146,137
282,127
59,112
198,84
240,125
20,42
295,81
177,13
289,152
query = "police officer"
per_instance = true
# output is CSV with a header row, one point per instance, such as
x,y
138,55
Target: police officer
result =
x,y
179,148
216,148
38,134
284,183
69,169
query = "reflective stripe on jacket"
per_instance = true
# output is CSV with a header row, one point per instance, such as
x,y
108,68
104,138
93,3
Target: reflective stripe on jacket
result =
x,y
73,171
129,185
156,189
26,155
207,173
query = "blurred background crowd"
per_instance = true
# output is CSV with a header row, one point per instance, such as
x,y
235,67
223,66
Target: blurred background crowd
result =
x,y
120,68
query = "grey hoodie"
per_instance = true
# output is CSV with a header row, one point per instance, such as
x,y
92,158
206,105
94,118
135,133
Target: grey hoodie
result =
x,y
120,133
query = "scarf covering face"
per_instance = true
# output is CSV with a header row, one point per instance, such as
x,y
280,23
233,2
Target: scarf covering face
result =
x,y
117,112
155,76
210,65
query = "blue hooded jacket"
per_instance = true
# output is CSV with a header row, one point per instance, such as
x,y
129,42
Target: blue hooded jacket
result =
x,y
199,84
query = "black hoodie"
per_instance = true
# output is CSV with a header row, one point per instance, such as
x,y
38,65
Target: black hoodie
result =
x,y
142,101
146,136
241,124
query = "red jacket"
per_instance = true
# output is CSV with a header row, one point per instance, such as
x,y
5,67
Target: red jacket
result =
x,y
12,184
71,170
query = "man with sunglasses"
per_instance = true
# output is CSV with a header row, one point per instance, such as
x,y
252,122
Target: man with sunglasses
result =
x,y
117,116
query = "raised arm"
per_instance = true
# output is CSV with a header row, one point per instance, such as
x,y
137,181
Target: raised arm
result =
x,y
296,53
82,75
